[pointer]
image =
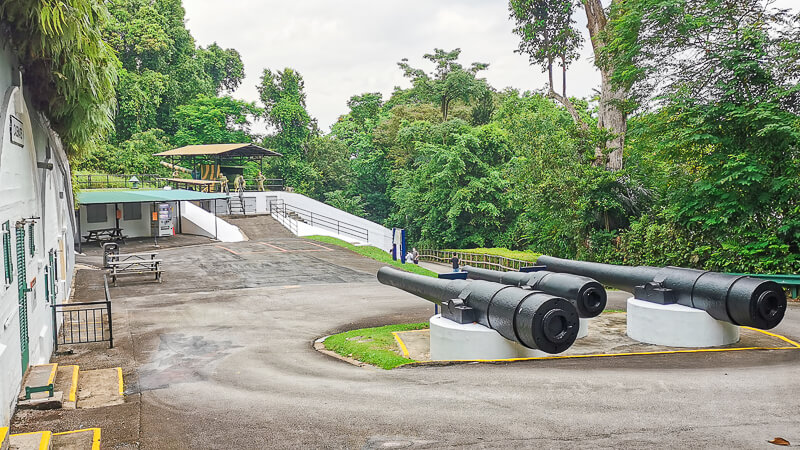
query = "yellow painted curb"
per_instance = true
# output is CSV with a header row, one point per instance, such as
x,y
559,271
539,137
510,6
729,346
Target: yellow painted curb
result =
x,y
3,434
95,436
795,346
73,390
121,385
402,344
53,369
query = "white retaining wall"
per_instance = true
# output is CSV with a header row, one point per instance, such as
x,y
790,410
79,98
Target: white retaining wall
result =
x,y
379,236
196,220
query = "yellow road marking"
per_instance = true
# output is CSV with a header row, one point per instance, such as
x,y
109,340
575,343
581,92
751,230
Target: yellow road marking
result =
x,y
73,390
402,344
121,386
795,346
783,338
95,436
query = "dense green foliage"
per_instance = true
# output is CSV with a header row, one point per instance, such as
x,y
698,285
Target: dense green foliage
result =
x,y
376,346
68,69
168,87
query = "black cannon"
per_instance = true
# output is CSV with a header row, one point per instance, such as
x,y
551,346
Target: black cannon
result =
x,y
740,300
532,318
587,295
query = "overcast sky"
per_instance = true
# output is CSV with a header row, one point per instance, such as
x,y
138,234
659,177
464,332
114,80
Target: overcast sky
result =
x,y
348,47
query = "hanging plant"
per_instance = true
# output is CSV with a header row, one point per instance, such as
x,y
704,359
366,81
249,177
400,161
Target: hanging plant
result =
x,y
69,71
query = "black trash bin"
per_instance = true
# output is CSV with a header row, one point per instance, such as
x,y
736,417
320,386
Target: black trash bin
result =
x,y
109,249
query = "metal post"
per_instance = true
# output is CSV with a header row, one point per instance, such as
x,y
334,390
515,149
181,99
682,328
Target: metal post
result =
x,y
215,220
180,222
55,328
108,309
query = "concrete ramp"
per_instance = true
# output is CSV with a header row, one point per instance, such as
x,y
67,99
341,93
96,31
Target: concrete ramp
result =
x,y
196,220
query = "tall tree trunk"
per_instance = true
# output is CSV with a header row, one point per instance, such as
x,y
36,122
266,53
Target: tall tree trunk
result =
x,y
610,113
564,76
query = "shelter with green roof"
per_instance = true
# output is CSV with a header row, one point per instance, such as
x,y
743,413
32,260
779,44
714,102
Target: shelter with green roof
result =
x,y
124,213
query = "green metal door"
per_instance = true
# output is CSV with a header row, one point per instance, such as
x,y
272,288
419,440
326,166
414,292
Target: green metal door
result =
x,y
22,285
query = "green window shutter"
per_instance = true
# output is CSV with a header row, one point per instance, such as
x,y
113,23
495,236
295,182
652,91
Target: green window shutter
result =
x,y
32,238
22,285
8,268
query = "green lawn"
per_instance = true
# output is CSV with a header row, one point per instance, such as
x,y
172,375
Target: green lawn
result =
x,y
376,346
374,253
513,254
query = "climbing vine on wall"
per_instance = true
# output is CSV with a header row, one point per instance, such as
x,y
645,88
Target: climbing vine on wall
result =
x,y
68,70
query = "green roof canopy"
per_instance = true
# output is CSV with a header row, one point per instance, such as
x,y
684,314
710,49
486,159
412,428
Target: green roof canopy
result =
x,y
143,196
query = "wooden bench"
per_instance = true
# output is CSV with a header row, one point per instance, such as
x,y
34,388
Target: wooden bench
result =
x,y
144,263
105,235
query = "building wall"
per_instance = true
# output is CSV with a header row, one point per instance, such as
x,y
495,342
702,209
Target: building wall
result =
x,y
43,197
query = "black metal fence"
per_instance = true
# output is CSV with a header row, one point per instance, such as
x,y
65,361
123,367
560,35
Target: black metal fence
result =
x,y
84,323
106,181
318,220
480,260
123,181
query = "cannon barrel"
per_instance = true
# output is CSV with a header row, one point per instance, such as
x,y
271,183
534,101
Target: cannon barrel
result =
x,y
740,300
532,318
587,295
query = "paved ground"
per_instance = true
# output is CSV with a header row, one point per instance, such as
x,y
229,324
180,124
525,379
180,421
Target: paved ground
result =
x,y
220,356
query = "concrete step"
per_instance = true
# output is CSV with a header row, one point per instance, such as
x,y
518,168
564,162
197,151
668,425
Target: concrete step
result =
x,y
37,440
100,387
39,381
85,439
67,383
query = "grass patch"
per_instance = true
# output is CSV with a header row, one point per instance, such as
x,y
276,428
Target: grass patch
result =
x,y
374,253
513,254
614,311
376,346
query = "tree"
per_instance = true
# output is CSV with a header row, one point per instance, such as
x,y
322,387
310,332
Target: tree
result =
x,y
224,66
371,170
284,98
454,195
448,82
546,32
163,67
215,120
728,105
133,156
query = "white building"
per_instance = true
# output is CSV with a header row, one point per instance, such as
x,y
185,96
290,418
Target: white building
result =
x,y
38,223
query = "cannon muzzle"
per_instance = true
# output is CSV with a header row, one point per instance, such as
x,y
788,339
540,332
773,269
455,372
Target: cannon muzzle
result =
x,y
740,300
587,295
534,319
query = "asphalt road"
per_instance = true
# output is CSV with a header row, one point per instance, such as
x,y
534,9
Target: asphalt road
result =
x,y
220,356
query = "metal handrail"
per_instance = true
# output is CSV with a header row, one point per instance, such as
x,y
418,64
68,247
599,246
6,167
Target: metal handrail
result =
x,y
321,220
76,313
480,260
